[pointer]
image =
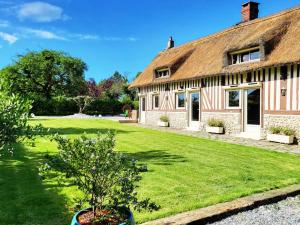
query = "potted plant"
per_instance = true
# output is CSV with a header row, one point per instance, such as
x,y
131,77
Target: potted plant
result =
x,y
283,135
164,121
107,179
215,126
135,110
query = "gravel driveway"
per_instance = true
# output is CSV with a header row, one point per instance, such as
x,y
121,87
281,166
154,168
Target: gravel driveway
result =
x,y
286,212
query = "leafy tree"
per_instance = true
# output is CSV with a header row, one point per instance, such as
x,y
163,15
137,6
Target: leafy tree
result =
x,y
93,89
82,102
14,114
113,87
107,178
45,74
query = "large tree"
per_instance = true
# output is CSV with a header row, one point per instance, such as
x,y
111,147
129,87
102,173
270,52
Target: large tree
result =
x,y
45,74
113,87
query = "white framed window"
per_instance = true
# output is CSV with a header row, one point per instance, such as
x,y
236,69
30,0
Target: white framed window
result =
x,y
155,101
233,99
162,73
180,100
245,56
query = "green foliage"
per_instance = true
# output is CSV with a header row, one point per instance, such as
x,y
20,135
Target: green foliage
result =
x,y
58,106
215,123
282,130
164,119
104,106
82,102
136,105
108,179
14,114
113,87
45,74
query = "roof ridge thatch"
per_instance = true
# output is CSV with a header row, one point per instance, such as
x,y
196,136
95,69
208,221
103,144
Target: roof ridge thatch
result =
x,y
237,26
277,35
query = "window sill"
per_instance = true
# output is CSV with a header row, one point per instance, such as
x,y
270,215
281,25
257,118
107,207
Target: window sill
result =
x,y
243,63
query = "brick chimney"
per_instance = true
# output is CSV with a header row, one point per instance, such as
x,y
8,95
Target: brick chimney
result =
x,y
170,43
250,11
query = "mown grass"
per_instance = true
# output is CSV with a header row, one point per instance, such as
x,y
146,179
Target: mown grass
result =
x,y
185,172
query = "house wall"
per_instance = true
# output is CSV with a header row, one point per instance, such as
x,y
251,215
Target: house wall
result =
x,y
276,109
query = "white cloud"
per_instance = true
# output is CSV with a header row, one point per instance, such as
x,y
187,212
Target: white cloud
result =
x,y
87,36
40,12
8,37
133,39
44,34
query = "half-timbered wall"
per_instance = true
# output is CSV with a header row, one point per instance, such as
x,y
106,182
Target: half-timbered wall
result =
x,y
212,92
279,97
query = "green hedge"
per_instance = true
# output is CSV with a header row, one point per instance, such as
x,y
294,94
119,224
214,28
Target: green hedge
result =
x,y
57,106
104,107
60,106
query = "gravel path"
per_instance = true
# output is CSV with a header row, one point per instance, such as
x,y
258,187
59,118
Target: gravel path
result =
x,y
286,212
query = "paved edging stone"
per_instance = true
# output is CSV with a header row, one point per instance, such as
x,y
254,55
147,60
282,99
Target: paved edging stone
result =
x,y
223,210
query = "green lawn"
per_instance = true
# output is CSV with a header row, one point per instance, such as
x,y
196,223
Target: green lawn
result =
x,y
185,173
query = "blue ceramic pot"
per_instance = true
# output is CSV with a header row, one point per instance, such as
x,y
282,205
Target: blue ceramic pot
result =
x,y
130,217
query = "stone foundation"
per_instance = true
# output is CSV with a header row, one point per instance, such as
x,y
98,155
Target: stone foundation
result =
x,y
232,121
290,121
176,119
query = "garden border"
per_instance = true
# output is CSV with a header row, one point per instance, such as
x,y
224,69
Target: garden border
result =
x,y
222,210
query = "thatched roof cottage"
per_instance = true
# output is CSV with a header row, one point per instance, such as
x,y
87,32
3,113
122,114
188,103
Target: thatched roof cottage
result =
x,y
247,76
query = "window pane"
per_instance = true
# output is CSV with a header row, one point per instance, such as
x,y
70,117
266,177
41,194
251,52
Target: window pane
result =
x,y
180,100
233,98
143,104
156,101
234,59
254,55
245,57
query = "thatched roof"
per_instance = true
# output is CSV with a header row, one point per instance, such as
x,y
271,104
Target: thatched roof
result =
x,y
279,35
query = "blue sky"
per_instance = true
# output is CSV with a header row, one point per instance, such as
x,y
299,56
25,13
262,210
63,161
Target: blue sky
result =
x,y
110,35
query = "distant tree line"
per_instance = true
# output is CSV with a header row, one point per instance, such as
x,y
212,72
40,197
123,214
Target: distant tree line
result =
x,y
55,82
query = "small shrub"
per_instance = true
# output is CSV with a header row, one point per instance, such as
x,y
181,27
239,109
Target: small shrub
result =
x,y
107,178
282,130
14,115
82,102
164,119
275,130
215,123
288,132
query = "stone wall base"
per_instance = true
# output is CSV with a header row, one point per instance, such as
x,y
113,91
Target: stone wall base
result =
x,y
232,121
176,119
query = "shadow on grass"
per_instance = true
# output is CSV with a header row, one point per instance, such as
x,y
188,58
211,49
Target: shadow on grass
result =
x,y
157,157
76,130
24,199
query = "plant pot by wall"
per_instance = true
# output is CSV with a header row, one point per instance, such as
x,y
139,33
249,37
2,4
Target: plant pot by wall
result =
x,y
130,217
163,124
279,138
215,130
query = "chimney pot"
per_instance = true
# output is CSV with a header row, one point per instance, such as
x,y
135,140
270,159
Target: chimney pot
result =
x,y
250,11
170,43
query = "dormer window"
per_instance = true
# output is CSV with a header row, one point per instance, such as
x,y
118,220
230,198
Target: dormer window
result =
x,y
162,73
244,56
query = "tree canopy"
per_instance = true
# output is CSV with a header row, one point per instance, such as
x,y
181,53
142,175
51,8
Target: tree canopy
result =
x,y
45,74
